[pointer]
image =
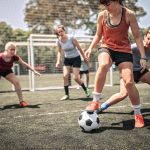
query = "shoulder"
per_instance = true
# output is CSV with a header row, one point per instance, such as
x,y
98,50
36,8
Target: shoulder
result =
x,y
16,57
71,37
102,14
130,15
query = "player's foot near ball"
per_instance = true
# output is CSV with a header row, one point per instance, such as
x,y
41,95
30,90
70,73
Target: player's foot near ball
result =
x,y
139,121
99,110
65,97
93,106
23,104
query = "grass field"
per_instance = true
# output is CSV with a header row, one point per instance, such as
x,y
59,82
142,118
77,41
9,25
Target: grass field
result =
x,y
48,123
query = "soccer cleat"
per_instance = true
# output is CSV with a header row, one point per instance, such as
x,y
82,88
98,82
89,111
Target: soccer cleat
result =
x,y
139,121
87,92
93,106
99,110
23,104
65,97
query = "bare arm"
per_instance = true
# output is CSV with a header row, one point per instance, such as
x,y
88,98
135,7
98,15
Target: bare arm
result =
x,y
59,54
97,36
76,43
138,38
28,66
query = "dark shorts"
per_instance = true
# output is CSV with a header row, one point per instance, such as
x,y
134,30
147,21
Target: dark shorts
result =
x,y
5,73
73,62
137,74
117,57
84,72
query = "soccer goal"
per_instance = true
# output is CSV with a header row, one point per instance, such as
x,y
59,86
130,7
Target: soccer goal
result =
x,y
43,55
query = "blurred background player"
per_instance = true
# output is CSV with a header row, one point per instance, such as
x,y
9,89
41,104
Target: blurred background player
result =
x,y
72,51
84,71
7,58
139,73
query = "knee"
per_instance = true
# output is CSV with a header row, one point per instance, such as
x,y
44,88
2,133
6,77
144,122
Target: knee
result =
x,y
123,95
75,78
66,77
129,83
16,83
103,67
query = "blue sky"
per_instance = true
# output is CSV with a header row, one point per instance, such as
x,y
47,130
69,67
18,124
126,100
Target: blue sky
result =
x,y
12,12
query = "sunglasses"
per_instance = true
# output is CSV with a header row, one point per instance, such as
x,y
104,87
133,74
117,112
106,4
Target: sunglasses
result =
x,y
105,2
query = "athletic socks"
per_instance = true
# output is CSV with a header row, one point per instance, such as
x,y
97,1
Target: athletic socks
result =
x,y
66,90
96,96
83,86
104,106
137,109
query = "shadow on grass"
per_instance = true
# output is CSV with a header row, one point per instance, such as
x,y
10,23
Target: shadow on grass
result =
x,y
126,125
82,99
17,106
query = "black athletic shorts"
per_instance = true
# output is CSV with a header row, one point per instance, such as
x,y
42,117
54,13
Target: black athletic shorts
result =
x,y
117,57
137,74
73,62
5,73
84,72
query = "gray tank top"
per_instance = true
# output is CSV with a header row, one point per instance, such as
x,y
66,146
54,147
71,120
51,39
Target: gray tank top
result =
x,y
70,50
136,57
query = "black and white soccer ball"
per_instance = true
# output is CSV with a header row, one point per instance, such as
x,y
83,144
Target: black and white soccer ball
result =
x,y
88,121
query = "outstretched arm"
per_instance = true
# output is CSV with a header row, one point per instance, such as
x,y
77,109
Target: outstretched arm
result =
x,y
28,66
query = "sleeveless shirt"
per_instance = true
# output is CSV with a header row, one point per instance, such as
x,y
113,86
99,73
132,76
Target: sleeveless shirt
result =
x,y
115,37
68,47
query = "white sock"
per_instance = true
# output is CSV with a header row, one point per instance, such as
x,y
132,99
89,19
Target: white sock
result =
x,y
96,96
137,109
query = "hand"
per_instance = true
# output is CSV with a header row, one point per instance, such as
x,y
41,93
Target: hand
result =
x,y
143,63
88,54
37,73
57,65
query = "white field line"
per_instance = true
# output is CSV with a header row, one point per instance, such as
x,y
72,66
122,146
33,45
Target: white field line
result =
x,y
64,112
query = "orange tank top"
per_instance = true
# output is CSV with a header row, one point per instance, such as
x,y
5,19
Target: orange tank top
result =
x,y
115,37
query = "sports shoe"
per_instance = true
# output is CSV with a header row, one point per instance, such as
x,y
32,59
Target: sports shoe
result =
x,y
23,104
93,106
139,121
87,92
65,97
99,110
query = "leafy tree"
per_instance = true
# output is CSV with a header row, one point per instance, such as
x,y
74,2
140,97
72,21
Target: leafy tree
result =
x,y
5,34
43,15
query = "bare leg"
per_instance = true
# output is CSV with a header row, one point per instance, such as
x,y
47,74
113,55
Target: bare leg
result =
x,y
12,78
118,96
126,71
66,72
146,78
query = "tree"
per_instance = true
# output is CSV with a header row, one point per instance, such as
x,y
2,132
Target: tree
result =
x,y
5,34
43,15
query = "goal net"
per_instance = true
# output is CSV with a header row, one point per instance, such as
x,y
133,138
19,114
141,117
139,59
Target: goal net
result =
x,y
43,55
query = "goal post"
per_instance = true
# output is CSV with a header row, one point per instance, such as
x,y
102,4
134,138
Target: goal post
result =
x,y
42,50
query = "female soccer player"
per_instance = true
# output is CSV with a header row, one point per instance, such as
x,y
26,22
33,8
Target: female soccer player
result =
x,y
7,58
72,50
112,26
138,73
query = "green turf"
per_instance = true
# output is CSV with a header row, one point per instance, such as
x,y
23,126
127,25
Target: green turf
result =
x,y
48,123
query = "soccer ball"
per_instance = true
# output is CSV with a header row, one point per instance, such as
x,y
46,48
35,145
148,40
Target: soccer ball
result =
x,y
88,121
